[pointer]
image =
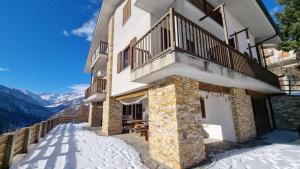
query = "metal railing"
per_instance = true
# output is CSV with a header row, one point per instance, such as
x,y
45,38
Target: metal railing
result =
x,y
176,32
290,86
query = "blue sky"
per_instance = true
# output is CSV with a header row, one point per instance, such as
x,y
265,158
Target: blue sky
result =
x,y
44,43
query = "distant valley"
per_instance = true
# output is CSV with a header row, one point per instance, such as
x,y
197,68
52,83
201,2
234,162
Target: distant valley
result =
x,y
19,108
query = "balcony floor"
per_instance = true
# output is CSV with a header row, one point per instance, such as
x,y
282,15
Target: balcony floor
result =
x,y
182,64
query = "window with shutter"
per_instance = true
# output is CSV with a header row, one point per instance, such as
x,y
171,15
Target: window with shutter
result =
x,y
125,58
126,11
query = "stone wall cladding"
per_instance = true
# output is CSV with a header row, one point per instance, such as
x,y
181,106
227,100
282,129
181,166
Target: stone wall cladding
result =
x,y
95,117
242,113
286,111
112,109
176,133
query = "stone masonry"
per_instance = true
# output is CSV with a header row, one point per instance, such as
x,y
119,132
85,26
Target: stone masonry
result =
x,y
242,113
95,115
286,111
176,133
112,109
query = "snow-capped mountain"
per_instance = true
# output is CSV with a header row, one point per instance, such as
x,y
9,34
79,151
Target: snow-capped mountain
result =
x,y
20,108
23,95
58,102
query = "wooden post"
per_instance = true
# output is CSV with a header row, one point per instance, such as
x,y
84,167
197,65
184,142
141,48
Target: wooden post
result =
x,y
42,129
222,10
47,125
45,128
27,139
9,152
38,133
224,23
51,125
172,28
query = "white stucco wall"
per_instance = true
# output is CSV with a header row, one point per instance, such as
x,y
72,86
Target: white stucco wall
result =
x,y
141,21
218,122
137,25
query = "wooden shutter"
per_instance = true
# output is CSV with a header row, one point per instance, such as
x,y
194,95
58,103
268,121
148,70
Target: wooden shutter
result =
x,y
119,62
132,53
202,107
126,11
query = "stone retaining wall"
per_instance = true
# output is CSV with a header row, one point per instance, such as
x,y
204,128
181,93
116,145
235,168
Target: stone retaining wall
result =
x,y
286,111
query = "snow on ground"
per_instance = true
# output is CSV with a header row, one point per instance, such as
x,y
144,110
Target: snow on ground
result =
x,y
283,153
69,146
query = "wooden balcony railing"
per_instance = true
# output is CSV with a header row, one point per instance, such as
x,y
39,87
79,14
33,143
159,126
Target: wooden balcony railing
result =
x,y
207,8
99,86
176,32
103,48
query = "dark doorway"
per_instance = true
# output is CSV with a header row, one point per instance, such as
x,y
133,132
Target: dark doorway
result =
x,y
261,116
136,110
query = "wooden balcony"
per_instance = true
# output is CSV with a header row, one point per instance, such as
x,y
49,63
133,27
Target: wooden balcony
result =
x,y
103,48
174,32
99,86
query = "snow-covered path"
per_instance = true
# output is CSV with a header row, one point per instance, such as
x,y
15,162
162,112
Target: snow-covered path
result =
x,y
282,154
277,156
69,146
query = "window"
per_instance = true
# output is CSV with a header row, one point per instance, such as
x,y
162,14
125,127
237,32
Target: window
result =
x,y
126,11
232,42
127,110
202,107
136,110
126,56
123,60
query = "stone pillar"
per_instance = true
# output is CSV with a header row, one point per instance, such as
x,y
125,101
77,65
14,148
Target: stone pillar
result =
x,y
112,117
176,132
95,114
112,109
242,113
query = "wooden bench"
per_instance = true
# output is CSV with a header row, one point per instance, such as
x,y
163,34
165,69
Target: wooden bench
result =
x,y
143,129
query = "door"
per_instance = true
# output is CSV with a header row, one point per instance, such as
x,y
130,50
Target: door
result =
x,y
261,116
138,112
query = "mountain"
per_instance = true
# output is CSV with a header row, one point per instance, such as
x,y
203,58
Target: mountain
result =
x,y
59,102
23,95
19,108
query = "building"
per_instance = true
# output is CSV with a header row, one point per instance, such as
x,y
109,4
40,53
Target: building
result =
x,y
286,65
186,69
